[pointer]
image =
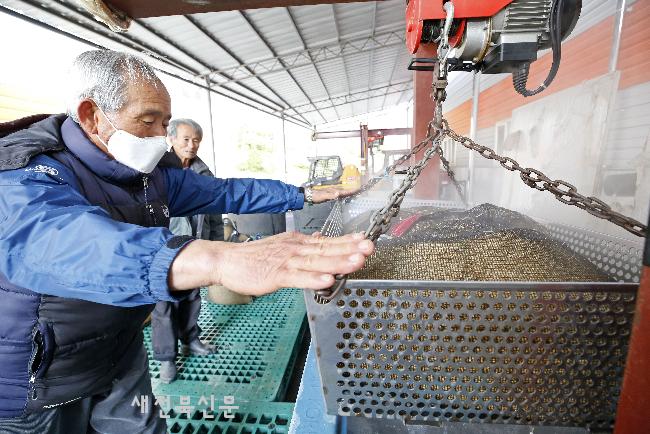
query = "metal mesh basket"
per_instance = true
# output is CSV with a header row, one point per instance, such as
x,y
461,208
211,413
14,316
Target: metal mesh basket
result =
x,y
437,352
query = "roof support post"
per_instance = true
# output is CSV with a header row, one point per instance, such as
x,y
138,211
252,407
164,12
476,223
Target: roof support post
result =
x,y
423,106
214,154
284,148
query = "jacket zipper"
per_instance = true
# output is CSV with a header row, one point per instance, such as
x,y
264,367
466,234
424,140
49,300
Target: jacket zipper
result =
x,y
32,386
32,375
145,183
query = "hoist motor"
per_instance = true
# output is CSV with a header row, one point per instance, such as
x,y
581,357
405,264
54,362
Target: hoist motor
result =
x,y
494,36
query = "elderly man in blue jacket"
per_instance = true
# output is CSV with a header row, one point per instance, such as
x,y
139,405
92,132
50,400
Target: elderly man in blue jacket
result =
x,y
85,251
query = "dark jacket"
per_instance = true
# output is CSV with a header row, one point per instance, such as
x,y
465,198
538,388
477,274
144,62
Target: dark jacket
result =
x,y
203,226
84,251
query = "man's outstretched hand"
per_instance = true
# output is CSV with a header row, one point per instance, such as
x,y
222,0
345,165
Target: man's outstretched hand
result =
x,y
331,193
290,259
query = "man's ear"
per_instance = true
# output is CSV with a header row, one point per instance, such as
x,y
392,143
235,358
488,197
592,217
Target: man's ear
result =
x,y
88,116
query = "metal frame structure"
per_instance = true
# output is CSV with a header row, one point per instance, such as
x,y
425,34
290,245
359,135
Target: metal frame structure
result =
x,y
375,338
229,77
389,89
304,46
365,135
273,52
315,55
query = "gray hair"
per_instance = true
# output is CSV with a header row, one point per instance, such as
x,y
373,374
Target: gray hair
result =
x,y
172,129
104,76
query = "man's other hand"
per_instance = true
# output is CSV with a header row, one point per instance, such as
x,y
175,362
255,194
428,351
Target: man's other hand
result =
x,y
331,193
260,267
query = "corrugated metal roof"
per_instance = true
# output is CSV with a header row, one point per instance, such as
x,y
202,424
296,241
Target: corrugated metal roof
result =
x,y
277,27
312,63
315,64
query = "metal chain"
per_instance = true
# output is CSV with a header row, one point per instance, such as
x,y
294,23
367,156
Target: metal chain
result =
x,y
390,169
562,190
451,175
380,220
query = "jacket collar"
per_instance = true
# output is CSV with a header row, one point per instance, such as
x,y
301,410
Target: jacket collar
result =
x,y
25,138
101,164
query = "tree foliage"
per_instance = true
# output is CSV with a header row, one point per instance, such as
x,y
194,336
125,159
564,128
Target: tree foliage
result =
x,y
255,149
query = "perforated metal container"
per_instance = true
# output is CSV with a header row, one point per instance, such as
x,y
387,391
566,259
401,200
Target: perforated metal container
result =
x,y
522,353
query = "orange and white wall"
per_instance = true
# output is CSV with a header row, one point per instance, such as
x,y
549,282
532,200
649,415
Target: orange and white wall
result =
x,y
623,166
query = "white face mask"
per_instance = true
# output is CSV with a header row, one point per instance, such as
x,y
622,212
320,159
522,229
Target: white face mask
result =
x,y
138,153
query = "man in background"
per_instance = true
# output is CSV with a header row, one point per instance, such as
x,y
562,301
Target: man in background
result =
x,y
179,320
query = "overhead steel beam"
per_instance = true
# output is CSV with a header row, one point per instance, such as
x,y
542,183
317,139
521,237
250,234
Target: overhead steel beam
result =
x,y
352,116
158,8
314,55
272,50
392,73
51,28
304,46
359,95
219,44
342,55
401,92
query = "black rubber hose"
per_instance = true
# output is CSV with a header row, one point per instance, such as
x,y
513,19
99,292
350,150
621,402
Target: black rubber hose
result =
x,y
520,77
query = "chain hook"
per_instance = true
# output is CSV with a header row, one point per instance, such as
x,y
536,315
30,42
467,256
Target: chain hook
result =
x,y
326,295
440,68
444,38
438,93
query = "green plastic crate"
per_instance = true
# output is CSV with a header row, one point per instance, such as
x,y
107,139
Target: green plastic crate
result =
x,y
257,347
250,418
